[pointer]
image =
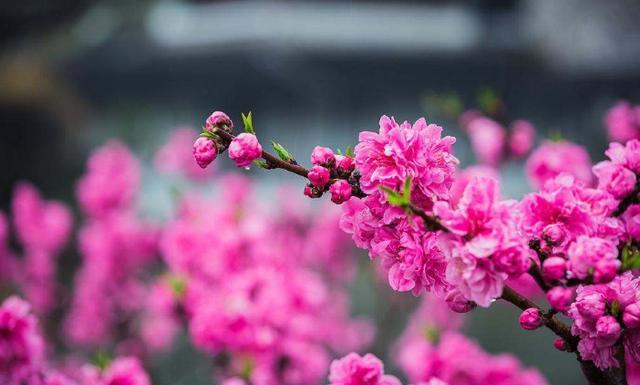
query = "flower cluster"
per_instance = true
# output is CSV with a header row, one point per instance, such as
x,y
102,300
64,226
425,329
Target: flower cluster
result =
x,y
603,316
431,347
115,246
255,296
42,227
23,360
492,143
330,172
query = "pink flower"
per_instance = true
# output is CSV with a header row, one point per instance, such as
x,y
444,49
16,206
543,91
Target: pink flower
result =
x,y
21,345
521,138
554,158
530,319
627,155
623,122
631,219
322,156
560,297
616,179
587,253
487,140
217,119
340,191
397,152
204,151
319,176
353,369
608,329
111,180
244,149
463,177
490,249
174,157
564,210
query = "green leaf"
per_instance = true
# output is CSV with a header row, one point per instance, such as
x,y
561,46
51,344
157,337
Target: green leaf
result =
x,y
282,152
178,285
338,151
209,134
393,197
406,190
349,152
261,163
247,120
102,360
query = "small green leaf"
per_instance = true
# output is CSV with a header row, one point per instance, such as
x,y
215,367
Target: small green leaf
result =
x,y
615,308
247,120
393,197
247,368
101,360
282,152
406,190
349,152
209,134
178,285
338,151
261,163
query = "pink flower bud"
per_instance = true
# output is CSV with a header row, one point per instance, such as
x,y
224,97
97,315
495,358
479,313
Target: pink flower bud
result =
x,y
608,328
204,151
560,297
605,270
458,302
340,191
307,191
318,176
244,149
560,344
631,316
530,319
554,268
554,234
217,119
322,156
345,164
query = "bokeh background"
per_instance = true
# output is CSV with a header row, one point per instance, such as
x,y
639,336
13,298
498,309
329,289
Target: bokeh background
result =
x,y
74,73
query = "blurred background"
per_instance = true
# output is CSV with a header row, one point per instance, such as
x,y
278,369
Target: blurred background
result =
x,y
74,73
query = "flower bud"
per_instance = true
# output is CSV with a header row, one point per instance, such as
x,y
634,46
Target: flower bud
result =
x,y
204,151
311,191
244,149
608,329
340,191
560,297
458,302
631,316
554,268
605,270
560,344
345,164
530,319
318,176
217,119
322,156
554,234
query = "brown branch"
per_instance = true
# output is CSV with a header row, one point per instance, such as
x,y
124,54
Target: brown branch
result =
x,y
431,223
272,161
